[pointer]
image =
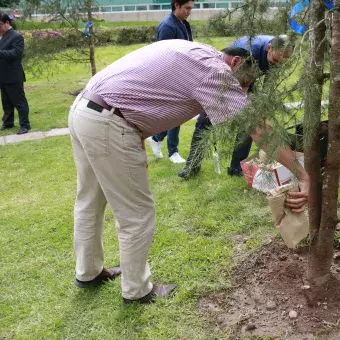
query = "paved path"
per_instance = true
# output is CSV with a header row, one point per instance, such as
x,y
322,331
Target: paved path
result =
x,y
10,139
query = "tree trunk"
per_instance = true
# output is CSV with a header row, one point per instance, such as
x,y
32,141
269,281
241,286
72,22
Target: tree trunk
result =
x,y
323,248
90,38
312,116
312,110
322,242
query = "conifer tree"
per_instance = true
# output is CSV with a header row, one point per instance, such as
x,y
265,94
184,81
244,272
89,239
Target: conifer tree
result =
x,y
314,50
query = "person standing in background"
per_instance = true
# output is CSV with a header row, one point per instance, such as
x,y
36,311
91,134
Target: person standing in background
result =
x,y
12,76
174,26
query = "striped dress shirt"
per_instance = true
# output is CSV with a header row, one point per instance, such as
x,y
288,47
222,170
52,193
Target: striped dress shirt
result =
x,y
164,84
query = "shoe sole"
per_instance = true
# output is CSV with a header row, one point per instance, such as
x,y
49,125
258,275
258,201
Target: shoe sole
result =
x,y
153,298
81,284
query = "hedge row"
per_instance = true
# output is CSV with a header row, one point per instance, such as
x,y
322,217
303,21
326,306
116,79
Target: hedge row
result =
x,y
47,42
69,37
135,35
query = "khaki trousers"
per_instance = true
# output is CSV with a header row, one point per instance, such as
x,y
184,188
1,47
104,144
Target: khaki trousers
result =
x,y
111,168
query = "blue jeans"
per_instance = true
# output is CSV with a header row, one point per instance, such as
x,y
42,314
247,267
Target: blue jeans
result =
x,y
173,139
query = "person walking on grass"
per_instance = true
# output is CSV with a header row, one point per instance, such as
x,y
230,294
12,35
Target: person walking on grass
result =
x,y
174,26
152,89
12,77
268,51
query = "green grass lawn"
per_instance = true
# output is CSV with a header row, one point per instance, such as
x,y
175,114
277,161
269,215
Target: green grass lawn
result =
x,y
197,223
48,96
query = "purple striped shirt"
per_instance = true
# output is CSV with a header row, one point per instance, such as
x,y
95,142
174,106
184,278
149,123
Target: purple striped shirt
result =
x,y
162,85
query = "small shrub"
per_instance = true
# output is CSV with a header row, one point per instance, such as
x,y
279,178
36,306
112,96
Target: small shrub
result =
x,y
103,36
134,35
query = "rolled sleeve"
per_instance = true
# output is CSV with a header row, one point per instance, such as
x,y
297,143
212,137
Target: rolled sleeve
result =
x,y
221,96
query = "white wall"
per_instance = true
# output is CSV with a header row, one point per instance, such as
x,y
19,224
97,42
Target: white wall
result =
x,y
154,15
197,14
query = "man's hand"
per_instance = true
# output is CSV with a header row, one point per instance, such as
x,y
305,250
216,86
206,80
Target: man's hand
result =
x,y
297,200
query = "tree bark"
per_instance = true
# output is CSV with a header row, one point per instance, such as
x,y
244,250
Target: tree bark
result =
x,y
90,38
322,251
312,111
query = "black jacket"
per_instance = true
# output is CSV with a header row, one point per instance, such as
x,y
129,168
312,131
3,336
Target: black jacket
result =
x,y
11,51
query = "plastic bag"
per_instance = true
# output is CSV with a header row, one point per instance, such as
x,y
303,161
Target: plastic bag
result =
x,y
217,162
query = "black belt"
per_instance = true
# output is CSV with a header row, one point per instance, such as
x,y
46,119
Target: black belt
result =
x,y
98,104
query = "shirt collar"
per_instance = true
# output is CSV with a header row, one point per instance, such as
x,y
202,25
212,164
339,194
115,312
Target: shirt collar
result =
x,y
174,17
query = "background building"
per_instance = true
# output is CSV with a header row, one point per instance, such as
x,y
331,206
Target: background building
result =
x,y
156,10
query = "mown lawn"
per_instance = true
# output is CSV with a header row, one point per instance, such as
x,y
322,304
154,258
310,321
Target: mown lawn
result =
x,y
49,97
50,94
197,223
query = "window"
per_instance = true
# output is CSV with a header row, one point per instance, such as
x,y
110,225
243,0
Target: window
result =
x,y
129,8
141,8
155,7
105,9
208,5
222,5
117,8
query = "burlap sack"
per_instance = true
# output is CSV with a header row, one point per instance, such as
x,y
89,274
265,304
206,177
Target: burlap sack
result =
x,y
293,226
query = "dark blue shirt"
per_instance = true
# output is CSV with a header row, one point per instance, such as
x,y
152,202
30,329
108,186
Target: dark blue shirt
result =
x,y
172,28
258,48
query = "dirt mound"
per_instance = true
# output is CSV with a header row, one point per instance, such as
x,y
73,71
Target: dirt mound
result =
x,y
272,298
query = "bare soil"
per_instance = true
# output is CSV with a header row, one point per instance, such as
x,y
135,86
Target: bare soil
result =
x,y
268,286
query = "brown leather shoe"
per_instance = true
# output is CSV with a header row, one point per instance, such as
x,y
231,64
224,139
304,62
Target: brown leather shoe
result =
x,y
162,291
104,276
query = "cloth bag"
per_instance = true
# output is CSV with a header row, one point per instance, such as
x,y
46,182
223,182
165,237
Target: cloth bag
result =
x,y
293,226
